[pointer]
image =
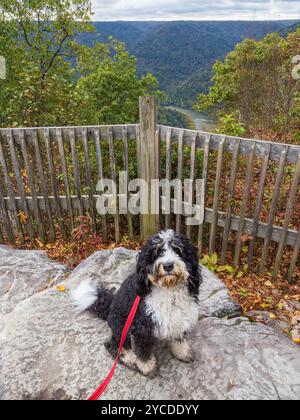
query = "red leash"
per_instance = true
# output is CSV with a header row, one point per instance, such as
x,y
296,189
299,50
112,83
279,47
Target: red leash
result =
x,y
99,391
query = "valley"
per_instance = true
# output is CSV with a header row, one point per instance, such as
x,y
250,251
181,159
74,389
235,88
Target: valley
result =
x,y
180,54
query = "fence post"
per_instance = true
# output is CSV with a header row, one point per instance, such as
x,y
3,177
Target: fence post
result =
x,y
149,159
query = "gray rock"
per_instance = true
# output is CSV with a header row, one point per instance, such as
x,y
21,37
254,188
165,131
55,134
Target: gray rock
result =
x,y
281,323
48,351
23,274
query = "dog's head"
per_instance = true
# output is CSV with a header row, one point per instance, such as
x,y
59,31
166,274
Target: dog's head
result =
x,y
168,260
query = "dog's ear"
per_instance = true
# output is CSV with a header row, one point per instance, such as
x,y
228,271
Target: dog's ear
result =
x,y
143,285
143,269
190,254
194,282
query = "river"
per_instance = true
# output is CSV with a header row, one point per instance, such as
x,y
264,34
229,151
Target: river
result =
x,y
202,121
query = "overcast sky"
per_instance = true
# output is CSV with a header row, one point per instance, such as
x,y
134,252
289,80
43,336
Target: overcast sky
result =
x,y
195,9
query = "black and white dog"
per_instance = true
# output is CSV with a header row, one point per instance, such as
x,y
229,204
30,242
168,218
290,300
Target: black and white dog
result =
x,y
167,278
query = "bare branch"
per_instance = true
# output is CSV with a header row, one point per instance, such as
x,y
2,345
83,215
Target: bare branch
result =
x,y
56,54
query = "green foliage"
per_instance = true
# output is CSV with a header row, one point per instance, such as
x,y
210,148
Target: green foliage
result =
x,y
109,88
210,262
255,82
54,80
180,54
37,40
230,125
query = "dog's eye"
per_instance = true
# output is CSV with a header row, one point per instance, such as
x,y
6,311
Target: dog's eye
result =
x,y
159,252
177,250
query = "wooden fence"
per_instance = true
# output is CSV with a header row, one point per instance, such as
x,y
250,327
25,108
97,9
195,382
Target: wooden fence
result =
x,y
252,199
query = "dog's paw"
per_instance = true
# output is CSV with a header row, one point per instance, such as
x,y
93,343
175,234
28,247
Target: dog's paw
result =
x,y
148,368
188,357
129,359
182,351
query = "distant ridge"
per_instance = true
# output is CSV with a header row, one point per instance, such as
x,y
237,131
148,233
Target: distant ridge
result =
x,y
290,29
180,53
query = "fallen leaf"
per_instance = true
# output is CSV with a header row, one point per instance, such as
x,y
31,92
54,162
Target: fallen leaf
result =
x,y
245,238
61,289
22,217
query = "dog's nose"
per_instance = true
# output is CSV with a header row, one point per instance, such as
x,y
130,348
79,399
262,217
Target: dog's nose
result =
x,y
168,267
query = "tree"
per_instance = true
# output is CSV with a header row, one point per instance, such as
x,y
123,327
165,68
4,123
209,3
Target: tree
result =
x,y
108,89
52,79
37,40
255,81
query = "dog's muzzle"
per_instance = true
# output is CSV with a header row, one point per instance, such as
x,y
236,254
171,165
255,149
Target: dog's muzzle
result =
x,y
169,274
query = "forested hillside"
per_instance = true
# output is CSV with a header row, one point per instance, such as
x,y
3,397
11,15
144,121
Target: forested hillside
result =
x,y
255,91
181,54
285,32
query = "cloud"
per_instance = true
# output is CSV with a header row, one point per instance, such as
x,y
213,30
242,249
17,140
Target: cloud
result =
x,y
195,9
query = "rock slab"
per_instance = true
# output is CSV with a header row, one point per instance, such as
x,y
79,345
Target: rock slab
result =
x,y
48,351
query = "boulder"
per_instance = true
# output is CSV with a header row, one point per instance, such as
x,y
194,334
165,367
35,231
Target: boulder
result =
x,y
23,274
48,351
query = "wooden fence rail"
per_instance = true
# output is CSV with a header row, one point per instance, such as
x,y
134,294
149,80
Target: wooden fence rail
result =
x,y
252,198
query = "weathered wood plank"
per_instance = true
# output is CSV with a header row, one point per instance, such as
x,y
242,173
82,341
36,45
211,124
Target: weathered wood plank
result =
x,y
76,170
234,167
278,184
5,218
261,231
235,221
213,232
126,169
59,139
64,130
42,178
113,172
156,198
168,174
205,174
288,216
148,161
295,257
54,187
192,180
21,187
261,145
258,207
29,170
11,193
89,178
245,201
1,234
180,174
97,138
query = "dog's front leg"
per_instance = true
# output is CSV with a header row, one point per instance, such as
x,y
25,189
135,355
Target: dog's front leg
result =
x,y
181,349
146,363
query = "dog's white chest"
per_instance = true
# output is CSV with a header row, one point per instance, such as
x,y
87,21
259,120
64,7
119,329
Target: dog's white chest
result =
x,y
173,311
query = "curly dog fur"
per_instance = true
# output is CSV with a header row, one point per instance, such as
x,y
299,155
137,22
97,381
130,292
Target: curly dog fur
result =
x,y
167,278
